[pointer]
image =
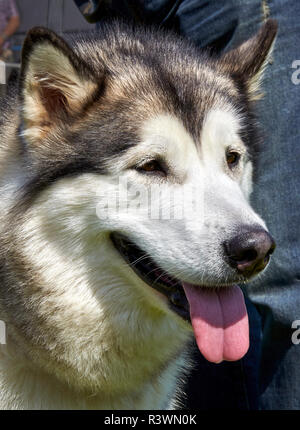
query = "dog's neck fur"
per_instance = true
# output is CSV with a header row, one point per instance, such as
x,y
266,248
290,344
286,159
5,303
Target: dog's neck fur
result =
x,y
99,357
23,387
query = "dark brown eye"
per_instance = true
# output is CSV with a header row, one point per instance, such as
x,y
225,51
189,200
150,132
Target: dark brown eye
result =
x,y
232,158
152,166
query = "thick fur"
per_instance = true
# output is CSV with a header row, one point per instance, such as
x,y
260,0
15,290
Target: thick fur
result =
x,y
83,330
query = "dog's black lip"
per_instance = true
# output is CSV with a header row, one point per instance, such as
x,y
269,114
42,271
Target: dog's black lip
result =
x,y
145,268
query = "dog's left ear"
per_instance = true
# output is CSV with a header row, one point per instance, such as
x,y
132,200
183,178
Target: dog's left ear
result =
x,y
248,61
55,83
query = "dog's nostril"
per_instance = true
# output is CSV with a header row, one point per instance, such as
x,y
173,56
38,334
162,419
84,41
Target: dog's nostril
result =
x,y
250,250
246,255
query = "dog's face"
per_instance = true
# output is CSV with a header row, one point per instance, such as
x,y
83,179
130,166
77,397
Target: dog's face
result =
x,y
170,123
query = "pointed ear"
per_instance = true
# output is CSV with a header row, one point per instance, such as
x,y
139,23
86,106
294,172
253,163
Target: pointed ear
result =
x,y
55,83
248,61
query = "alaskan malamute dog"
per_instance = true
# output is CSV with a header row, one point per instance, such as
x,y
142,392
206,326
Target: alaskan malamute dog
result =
x,y
101,301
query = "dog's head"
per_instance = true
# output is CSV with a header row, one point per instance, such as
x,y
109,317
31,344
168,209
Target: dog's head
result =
x,y
130,114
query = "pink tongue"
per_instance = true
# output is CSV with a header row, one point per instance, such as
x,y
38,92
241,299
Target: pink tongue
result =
x,y
220,322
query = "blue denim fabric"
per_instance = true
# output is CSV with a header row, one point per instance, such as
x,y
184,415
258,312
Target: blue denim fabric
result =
x,y
268,377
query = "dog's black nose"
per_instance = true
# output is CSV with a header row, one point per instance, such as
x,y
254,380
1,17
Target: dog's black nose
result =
x,y
249,251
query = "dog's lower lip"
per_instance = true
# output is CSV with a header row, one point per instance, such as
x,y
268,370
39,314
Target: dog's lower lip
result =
x,y
144,266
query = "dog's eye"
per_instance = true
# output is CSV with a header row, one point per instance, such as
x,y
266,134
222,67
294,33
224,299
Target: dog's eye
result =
x,y
232,158
152,166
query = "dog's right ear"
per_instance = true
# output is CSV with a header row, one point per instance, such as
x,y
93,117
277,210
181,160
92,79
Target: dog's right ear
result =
x,y
247,62
55,83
